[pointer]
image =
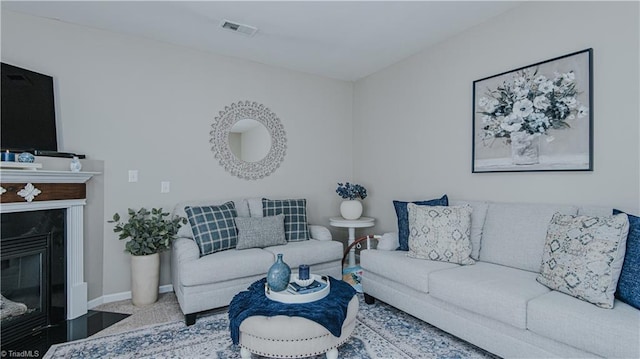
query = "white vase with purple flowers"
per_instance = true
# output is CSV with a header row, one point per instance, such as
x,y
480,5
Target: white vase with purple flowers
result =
x,y
351,207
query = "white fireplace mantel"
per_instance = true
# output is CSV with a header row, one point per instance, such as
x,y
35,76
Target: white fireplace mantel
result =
x,y
76,286
41,176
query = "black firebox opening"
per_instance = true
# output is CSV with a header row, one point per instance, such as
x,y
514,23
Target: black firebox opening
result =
x,y
33,270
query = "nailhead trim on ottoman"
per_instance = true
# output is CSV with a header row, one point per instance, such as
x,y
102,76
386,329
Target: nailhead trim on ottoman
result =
x,y
280,344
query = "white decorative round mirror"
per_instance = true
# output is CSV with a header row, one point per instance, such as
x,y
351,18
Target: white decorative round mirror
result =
x,y
248,140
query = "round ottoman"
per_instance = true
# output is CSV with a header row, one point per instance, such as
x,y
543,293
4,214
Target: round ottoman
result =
x,y
293,337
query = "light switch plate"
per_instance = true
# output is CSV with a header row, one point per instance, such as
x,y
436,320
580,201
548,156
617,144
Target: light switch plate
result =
x,y
165,187
133,175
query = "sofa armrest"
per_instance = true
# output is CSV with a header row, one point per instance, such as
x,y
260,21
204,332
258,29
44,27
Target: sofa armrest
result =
x,y
388,242
185,250
320,232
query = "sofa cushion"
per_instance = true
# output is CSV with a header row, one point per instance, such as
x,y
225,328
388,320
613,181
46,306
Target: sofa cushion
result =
x,y
395,265
403,217
242,209
260,232
227,265
580,324
214,228
255,207
308,252
477,223
440,233
629,283
583,256
296,227
492,290
596,211
514,234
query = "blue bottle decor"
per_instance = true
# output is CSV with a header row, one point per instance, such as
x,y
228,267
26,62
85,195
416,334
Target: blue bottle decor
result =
x,y
279,275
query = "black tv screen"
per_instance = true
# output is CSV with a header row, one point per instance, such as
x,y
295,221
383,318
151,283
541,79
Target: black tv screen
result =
x,y
28,111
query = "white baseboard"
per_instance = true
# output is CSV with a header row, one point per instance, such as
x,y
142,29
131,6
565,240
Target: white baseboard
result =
x,y
109,298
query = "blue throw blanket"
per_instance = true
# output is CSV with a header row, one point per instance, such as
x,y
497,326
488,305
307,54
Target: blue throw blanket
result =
x,y
330,311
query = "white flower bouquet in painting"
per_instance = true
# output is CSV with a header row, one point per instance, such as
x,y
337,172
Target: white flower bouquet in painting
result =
x,y
526,106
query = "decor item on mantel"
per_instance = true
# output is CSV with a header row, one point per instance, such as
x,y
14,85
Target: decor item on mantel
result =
x,y
150,232
20,165
550,100
75,164
351,207
26,157
8,156
279,275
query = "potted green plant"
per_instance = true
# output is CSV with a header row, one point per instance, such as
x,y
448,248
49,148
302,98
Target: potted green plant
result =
x,y
149,233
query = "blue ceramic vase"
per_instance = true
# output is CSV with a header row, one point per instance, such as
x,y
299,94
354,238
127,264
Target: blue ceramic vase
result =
x,y
278,275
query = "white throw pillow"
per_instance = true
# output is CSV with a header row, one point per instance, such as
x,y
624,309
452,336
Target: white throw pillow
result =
x,y
440,233
583,256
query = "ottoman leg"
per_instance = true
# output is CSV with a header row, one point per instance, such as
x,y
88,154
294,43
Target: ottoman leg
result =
x,y
244,353
332,354
369,299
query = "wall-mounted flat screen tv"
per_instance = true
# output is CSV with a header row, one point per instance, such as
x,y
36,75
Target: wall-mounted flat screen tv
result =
x,y
28,111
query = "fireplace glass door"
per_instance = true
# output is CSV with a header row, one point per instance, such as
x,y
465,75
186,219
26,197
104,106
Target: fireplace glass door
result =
x,y
23,286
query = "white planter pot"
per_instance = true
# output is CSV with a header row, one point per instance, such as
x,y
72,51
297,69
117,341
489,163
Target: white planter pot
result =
x,y
145,277
351,209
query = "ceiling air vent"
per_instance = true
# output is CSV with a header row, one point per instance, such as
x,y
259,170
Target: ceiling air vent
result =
x,y
238,28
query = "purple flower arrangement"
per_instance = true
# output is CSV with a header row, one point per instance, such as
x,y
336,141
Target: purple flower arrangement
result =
x,y
351,191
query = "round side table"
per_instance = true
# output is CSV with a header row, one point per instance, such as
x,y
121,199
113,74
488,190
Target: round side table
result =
x,y
352,224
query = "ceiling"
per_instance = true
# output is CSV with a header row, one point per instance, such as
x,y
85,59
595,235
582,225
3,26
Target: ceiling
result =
x,y
338,39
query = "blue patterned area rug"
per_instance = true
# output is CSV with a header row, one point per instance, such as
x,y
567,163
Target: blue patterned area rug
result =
x,y
381,332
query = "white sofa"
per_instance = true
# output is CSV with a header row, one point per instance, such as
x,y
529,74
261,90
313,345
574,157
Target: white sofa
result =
x,y
496,303
211,281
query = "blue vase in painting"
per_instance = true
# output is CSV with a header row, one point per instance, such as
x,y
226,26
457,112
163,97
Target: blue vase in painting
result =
x,y
278,275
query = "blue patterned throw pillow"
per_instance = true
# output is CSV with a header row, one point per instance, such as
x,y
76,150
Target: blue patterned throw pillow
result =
x,y
403,217
628,289
295,217
214,227
583,256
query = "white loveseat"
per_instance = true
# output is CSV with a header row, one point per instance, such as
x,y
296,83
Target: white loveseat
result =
x,y
496,303
206,282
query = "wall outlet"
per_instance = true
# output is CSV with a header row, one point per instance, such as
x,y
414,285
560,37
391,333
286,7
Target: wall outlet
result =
x,y
133,175
165,187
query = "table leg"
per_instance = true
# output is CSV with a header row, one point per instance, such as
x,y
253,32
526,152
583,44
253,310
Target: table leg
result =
x,y
352,252
332,354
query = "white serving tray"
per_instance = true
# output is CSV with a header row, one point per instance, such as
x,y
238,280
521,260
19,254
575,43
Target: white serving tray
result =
x,y
20,165
286,297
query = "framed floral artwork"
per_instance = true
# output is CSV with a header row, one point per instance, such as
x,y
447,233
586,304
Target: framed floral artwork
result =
x,y
535,118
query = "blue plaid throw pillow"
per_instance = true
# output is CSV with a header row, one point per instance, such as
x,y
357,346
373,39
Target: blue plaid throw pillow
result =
x,y
214,227
295,217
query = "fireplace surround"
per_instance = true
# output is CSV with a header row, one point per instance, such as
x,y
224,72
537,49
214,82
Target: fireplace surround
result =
x,y
56,199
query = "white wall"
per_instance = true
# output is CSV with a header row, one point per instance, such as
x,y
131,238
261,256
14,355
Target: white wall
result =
x,y
147,105
412,121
